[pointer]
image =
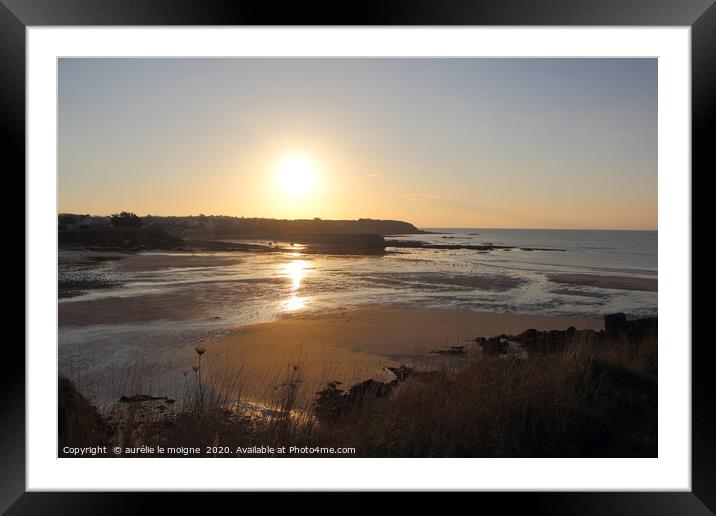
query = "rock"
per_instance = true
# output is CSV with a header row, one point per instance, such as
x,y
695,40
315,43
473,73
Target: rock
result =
x,y
614,323
402,373
138,398
617,326
494,346
370,389
78,422
333,403
450,350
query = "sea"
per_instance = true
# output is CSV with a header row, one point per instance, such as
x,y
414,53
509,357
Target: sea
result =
x,y
504,280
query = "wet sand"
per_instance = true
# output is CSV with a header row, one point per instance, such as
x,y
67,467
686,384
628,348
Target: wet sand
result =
x,y
149,261
178,306
156,262
610,282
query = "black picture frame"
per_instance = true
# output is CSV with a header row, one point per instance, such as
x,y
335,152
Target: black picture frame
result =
x,y
700,15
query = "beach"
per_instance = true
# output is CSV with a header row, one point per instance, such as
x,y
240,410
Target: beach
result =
x,y
349,344
259,379
356,344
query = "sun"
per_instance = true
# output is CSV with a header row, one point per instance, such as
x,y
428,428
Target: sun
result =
x,y
296,175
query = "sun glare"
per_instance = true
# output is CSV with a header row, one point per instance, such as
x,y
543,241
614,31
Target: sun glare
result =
x,y
295,270
296,175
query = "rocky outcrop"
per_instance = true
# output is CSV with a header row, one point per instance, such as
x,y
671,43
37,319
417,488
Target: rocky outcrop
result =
x,y
616,328
139,398
334,403
494,345
417,244
450,350
78,422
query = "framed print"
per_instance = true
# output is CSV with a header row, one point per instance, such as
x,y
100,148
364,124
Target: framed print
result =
x,y
431,248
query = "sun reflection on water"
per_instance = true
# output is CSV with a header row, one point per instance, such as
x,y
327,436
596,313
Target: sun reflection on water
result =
x,y
294,303
295,271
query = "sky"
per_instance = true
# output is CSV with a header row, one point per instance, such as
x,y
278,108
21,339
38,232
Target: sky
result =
x,y
525,143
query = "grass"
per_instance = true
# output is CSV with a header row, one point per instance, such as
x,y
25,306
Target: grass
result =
x,y
583,402
590,399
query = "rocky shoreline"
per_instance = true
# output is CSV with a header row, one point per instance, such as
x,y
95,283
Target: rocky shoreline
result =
x,y
616,328
416,244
